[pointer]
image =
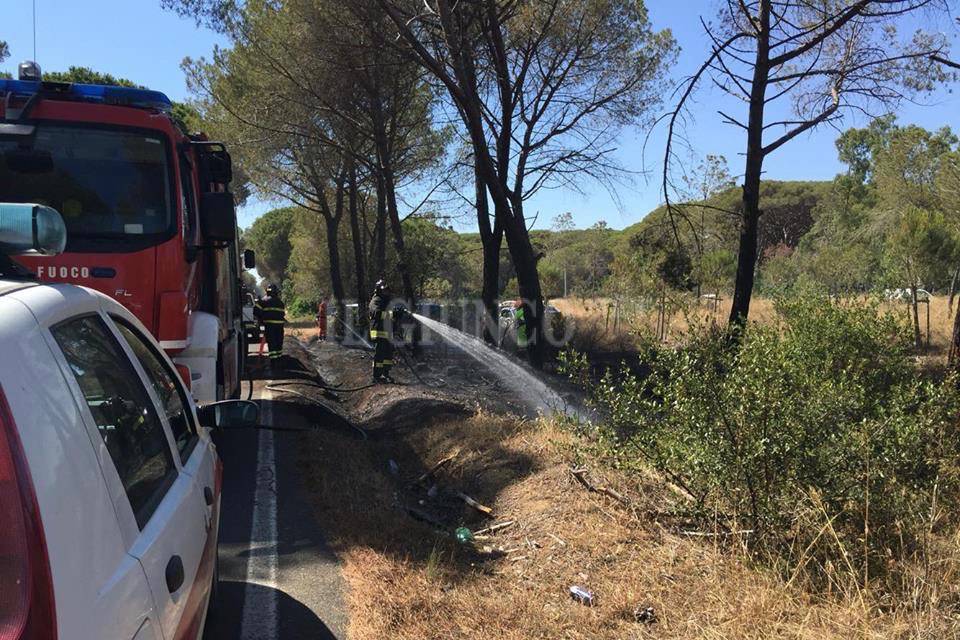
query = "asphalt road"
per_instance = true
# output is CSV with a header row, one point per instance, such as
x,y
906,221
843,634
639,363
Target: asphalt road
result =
x,y
278,578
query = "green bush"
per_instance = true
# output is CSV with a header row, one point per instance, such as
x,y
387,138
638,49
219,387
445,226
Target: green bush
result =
x,y
300,307
297,306
818,435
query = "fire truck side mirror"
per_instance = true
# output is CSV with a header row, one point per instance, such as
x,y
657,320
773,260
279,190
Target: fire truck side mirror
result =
x,y
215,163
218,217
221,167
249,259
230,414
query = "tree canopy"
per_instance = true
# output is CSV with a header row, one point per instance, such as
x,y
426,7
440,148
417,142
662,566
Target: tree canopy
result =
x,y
269,237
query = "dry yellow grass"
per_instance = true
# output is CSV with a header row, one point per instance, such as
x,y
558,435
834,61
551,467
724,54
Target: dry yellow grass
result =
x,y
408,581
595,320
303,328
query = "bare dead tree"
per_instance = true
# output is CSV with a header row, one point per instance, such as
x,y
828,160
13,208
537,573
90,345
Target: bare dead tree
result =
x,y
817,61
541,87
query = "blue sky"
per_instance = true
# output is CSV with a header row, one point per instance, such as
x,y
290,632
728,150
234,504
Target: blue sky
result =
x,y
138,40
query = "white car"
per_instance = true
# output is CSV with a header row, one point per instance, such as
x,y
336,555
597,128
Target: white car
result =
x,y
109,481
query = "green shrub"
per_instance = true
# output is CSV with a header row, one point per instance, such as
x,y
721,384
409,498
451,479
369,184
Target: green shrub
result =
x,y
817,435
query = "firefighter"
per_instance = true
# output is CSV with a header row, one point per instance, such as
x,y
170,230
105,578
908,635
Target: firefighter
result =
x,y
322,318
271,313
379,333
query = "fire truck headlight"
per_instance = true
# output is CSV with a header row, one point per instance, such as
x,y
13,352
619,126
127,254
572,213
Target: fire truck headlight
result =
x,y
31,229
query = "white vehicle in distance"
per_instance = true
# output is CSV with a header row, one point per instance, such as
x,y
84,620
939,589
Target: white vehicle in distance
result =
x,y
251,328
109,481
906,295
507,323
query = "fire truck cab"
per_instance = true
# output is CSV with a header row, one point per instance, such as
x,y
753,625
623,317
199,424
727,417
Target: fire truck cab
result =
x,y
150,220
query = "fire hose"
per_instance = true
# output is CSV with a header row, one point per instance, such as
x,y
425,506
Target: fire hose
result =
x,y
339,388
314,401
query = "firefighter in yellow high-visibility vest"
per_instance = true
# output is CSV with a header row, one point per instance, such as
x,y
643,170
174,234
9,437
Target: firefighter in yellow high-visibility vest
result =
x,y
379,332
271,313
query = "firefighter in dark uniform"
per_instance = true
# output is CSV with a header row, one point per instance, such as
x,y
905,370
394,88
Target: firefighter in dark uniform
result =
x,y
379,332
271,313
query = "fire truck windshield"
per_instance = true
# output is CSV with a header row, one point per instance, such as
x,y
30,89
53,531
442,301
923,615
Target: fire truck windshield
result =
x,y
107,183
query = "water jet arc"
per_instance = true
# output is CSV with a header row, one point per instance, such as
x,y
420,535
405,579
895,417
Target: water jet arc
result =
x,y
530,389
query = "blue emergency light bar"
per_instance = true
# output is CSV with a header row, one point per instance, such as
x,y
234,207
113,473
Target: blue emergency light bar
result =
x,y
121,96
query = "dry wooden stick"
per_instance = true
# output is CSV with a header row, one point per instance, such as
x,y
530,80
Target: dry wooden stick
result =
x,y
436,468
580,474
711,534
485,510
492,528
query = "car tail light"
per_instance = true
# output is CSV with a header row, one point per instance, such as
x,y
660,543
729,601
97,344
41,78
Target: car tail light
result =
x,y
26,588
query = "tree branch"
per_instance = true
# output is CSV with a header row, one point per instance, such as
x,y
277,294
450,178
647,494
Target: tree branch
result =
x,y
945,61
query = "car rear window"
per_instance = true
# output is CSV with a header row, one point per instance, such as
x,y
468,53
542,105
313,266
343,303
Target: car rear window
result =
x,y
123,411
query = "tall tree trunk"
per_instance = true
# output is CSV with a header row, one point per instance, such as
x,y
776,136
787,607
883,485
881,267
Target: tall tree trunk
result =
x,y
507,204
953,290
358,252
954,355
491,239
333,247
407,282
384,127
410,296
336,274
380,233
917,338
508,209
528,280
750,224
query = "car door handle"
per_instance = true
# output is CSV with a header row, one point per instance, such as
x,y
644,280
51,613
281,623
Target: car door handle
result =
x,y
174,574
208,496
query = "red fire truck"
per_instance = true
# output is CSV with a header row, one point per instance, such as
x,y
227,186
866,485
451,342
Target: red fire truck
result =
x,y
150,220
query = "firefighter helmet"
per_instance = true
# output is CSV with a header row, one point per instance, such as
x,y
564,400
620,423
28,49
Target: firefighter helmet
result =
x,y
272,290
379,287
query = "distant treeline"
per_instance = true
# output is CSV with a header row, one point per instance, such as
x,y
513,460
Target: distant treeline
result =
x,y
890,220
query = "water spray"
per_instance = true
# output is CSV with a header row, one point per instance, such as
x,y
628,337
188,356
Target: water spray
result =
x,y
533,391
